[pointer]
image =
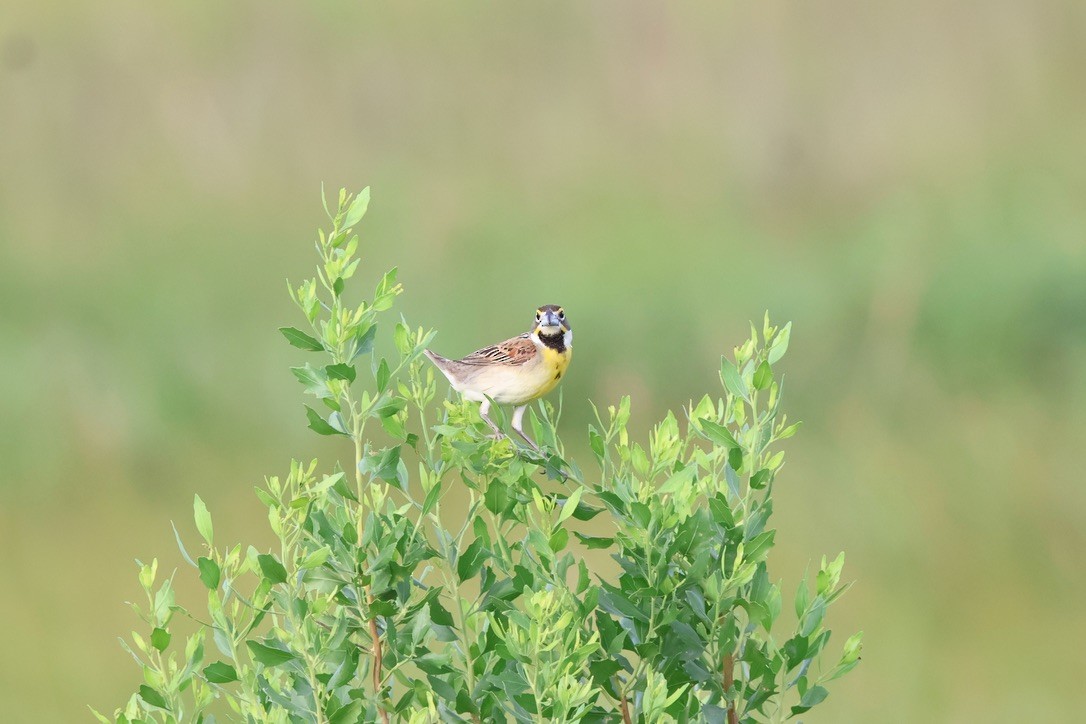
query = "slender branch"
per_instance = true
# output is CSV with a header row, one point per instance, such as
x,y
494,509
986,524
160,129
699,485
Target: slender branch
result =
x,y
625,711
729,681
377,658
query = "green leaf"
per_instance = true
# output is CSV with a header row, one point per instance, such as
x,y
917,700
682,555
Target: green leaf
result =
x,y
614,601
761,478
592,542
357,209
434,495
558,539
815,695
341,372
595,441
733,381
203,520
679,481
852,648
812,619
153,697
382,376
471,560
348,714
756,549
387,290
220,672
209,572
570,505
803,597
363,342
272,569
160,638
496,499
318,424
780,344
439,614
315,380
301,340
585,511
763,376
788,431
718,434
181,546
267,655
316,558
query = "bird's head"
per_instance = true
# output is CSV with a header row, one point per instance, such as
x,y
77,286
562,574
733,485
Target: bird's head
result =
x,y
550,321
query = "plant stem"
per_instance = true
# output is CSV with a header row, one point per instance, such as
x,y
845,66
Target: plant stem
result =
x,y
729,681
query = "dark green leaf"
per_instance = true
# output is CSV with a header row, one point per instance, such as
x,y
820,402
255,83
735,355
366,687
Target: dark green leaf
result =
x,y
591,541
439,615
341,372
496,499
756,549
471,560
431,498
735,458
220,672
584,511
318,424
301,340
209,572
272,569
382,375
614,601
761,478
267,655
349,714
153,697
160,638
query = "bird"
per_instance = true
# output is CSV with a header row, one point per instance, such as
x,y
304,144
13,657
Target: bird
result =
x,y
516,371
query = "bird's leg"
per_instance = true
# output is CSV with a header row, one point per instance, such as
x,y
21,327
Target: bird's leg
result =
x,y
518,419
484,412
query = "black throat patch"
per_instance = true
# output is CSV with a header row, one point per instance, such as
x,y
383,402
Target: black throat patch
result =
x,y
557,342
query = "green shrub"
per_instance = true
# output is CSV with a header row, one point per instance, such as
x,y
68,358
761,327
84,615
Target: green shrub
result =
x,y
377,604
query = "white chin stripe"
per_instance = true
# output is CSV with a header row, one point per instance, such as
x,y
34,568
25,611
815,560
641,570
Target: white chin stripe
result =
x,y
568,338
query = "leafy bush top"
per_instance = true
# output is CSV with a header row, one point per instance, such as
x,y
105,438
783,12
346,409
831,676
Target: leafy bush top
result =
x,y
378,604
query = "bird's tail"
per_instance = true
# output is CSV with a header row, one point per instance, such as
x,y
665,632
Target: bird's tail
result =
x,y
442,363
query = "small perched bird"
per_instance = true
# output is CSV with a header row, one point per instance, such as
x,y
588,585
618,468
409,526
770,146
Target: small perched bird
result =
x,y
516,371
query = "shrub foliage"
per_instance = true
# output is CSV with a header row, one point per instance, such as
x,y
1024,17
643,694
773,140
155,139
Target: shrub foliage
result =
x,y
444,576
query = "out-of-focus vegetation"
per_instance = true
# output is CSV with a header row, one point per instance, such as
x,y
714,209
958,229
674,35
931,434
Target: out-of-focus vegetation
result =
x,y
905,183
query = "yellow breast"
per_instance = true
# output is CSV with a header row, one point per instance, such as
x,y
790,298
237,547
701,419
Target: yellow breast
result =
x,y
555,364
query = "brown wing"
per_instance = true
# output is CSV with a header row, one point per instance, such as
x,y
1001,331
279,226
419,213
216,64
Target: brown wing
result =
x,y
512,352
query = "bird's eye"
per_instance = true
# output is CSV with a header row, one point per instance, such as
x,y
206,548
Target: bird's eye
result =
x,y
538,316
561,315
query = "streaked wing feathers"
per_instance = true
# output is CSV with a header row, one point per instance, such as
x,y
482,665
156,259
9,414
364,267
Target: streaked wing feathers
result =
x,y
512,352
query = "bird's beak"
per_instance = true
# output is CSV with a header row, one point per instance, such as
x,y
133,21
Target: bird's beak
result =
x,y
550,320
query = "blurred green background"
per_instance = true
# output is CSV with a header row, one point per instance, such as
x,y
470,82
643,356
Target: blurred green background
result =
x,y
906,183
